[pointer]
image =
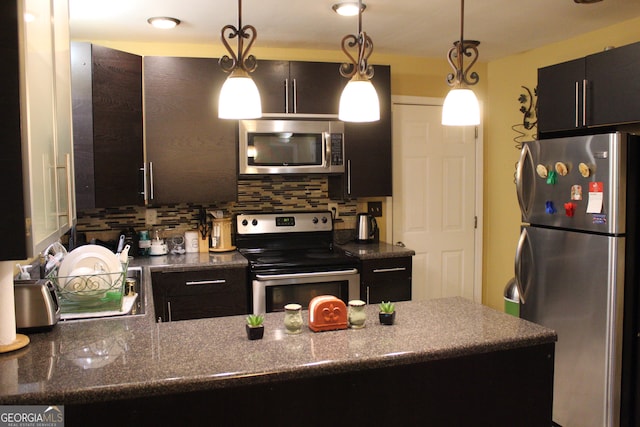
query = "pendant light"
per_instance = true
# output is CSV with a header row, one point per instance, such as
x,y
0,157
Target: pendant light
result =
x,y
461,107
239,96
359,100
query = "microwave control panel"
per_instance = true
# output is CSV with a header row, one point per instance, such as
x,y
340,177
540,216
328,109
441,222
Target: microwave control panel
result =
x,y
337,157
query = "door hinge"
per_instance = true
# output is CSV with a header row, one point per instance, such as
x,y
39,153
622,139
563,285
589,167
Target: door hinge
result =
x,y
476,132
475,222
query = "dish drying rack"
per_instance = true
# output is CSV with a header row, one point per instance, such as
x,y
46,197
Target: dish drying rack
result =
x,y
91,292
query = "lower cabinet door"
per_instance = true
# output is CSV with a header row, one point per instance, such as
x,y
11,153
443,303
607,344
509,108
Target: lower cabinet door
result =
x,y
387,279
200,293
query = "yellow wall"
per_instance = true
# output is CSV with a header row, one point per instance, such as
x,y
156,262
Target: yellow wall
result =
x,y
501,213
498,89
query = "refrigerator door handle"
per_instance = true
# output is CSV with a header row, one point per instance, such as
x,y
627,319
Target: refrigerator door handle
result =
x,y
525,156
520,284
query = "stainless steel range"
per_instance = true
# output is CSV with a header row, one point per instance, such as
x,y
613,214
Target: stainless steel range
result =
x,y
292,259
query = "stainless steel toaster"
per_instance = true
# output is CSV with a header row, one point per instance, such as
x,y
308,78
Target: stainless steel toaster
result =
x,y
36,305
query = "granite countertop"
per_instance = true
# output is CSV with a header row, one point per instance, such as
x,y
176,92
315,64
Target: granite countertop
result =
x,y
376,250
128,357
191,261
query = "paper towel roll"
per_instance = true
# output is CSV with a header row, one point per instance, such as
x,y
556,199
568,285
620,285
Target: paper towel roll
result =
x,y
7,304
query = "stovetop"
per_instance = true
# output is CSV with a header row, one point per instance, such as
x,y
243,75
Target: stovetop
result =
x,y
289,240
301,259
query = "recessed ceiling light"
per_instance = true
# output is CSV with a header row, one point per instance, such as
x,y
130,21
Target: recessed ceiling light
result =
x,y
347,8
163,22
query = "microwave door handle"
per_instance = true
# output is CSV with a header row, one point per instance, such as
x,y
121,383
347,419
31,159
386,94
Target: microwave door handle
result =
x,y
327,150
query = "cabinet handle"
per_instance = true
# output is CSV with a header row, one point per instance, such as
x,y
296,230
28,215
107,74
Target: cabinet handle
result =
x,y
169,309
143,193
206,282
577,105
584,102
349,177
295,96
151,181
389,270
367,294
286,95
67,168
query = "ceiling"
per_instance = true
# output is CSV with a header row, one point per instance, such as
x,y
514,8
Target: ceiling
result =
x,y
408,27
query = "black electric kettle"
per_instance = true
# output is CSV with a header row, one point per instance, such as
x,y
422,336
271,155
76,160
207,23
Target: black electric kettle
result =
x,y
366,228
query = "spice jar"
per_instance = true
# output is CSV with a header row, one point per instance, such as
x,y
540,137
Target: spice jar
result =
x,y
293,318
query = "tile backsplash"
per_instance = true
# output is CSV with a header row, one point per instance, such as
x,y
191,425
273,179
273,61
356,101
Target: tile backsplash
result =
x,y
268,193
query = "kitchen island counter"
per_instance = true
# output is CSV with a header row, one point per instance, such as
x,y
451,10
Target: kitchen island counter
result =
x,y
135,363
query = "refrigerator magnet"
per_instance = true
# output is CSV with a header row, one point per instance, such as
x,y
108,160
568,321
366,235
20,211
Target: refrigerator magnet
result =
x,y
541,170
584,169
576,192
561,168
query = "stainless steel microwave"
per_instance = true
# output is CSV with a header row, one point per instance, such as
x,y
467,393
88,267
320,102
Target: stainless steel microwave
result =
x,y
291,147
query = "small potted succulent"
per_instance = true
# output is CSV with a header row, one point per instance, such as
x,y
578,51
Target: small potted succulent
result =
x,y
254,326
387,313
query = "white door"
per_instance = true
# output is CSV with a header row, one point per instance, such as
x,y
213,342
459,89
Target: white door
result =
x,y
437,199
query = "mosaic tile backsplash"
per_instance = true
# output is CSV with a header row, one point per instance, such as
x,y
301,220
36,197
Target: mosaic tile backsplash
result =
x,y
269,193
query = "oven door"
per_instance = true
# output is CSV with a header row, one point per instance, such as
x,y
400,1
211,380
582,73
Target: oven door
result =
x,y
271,292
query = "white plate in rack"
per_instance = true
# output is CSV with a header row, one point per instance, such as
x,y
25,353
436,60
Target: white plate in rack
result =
x,y
95,257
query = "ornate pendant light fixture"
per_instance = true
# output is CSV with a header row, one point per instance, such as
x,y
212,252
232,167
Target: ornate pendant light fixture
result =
x,y
461,107
239,96
359,100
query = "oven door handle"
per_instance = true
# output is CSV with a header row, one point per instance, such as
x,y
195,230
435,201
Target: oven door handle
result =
x,y
299,275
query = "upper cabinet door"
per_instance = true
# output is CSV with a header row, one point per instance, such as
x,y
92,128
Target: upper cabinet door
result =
x,y
614,86
107,126
192,154
560,96
316,87
272,80
299,87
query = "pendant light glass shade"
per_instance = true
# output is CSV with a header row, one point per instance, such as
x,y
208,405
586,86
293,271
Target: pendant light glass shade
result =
x,y
239,97
461,108
359,102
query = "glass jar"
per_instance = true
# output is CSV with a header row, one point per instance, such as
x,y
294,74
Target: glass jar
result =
x,y
356,313
293,318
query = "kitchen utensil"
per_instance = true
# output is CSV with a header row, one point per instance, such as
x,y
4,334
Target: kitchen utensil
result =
x,y
366,228
36,305
120,244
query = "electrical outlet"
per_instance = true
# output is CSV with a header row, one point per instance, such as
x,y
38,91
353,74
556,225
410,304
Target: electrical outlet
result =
x,y
333,207
374,208
151,217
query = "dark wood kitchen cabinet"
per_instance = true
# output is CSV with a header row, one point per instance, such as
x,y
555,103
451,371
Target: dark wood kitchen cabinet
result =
x,y
191,154
182,295
368,150
385,279
107,126
597,90
299,86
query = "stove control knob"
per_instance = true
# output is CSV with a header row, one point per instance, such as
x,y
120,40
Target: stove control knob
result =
x,y
314,220
244,222
254,222
324,220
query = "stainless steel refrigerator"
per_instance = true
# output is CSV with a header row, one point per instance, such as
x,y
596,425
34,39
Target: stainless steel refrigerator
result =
x,y
575,270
